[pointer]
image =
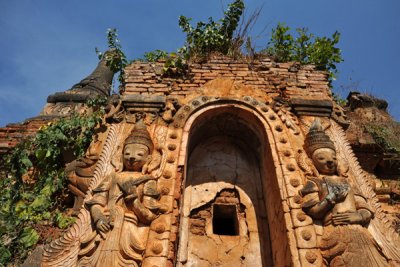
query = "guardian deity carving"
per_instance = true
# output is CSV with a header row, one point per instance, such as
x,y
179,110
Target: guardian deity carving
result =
x,y
123,206
329,196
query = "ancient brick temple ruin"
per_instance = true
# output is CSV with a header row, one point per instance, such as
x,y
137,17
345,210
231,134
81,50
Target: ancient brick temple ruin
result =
x,y
232,163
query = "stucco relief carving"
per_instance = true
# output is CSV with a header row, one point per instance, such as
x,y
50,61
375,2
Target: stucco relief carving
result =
x,y
287,117
331,197
122,201
114,110
380,226
169,110
98,236
262,106
80,172
63,109
225,87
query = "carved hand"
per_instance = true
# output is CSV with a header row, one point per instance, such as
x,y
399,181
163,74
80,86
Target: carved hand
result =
x,y
335,197
103,225
347,218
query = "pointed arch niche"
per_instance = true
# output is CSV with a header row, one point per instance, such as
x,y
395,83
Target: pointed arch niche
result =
x,y
232,212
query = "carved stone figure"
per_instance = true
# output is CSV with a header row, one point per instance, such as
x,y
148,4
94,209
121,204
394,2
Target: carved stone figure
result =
x,y
80,171
123,206
344,212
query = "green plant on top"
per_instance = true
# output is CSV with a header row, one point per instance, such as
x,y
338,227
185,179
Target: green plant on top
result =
x,y
115,57
281,45
305,48
211,36
155,55
201,40
174,63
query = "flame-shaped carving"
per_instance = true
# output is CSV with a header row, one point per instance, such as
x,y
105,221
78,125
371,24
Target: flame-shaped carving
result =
x,y
65,250
380,227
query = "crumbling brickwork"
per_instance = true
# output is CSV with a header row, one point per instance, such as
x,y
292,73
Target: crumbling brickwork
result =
x,y
289,80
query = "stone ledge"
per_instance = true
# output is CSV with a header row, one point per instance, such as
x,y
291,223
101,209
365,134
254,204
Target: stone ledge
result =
x,y
312,107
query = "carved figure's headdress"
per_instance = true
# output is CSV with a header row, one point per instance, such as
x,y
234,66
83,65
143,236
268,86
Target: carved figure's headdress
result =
x,y
317,138
140,135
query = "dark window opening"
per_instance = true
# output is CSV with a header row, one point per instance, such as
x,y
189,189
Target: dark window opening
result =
x,y
225,220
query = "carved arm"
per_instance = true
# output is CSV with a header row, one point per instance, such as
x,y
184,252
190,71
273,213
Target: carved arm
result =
x,y
362,215
318,208
96,207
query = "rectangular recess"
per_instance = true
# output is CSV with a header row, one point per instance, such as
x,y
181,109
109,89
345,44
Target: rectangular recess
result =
x,y
225,220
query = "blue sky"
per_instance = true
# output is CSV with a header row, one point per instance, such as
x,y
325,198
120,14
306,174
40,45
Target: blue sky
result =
x,y
48,45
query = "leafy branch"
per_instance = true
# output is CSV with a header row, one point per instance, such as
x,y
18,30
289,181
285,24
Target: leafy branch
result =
x,y
211,36
114,56
32,189
305,48
201,41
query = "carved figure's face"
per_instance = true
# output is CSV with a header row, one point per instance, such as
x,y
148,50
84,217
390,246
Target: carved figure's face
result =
x,y
135,156
325,160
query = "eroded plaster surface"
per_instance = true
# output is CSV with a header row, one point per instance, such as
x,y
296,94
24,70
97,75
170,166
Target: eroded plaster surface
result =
x,y
224,170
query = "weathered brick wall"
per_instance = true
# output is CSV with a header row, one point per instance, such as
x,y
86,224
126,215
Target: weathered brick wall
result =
x,y
289,80
14,133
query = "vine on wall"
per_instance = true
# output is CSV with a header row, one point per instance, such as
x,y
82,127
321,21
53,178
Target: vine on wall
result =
x,y
32,191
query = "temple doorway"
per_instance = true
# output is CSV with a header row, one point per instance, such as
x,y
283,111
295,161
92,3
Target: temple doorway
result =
x,y
225,220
